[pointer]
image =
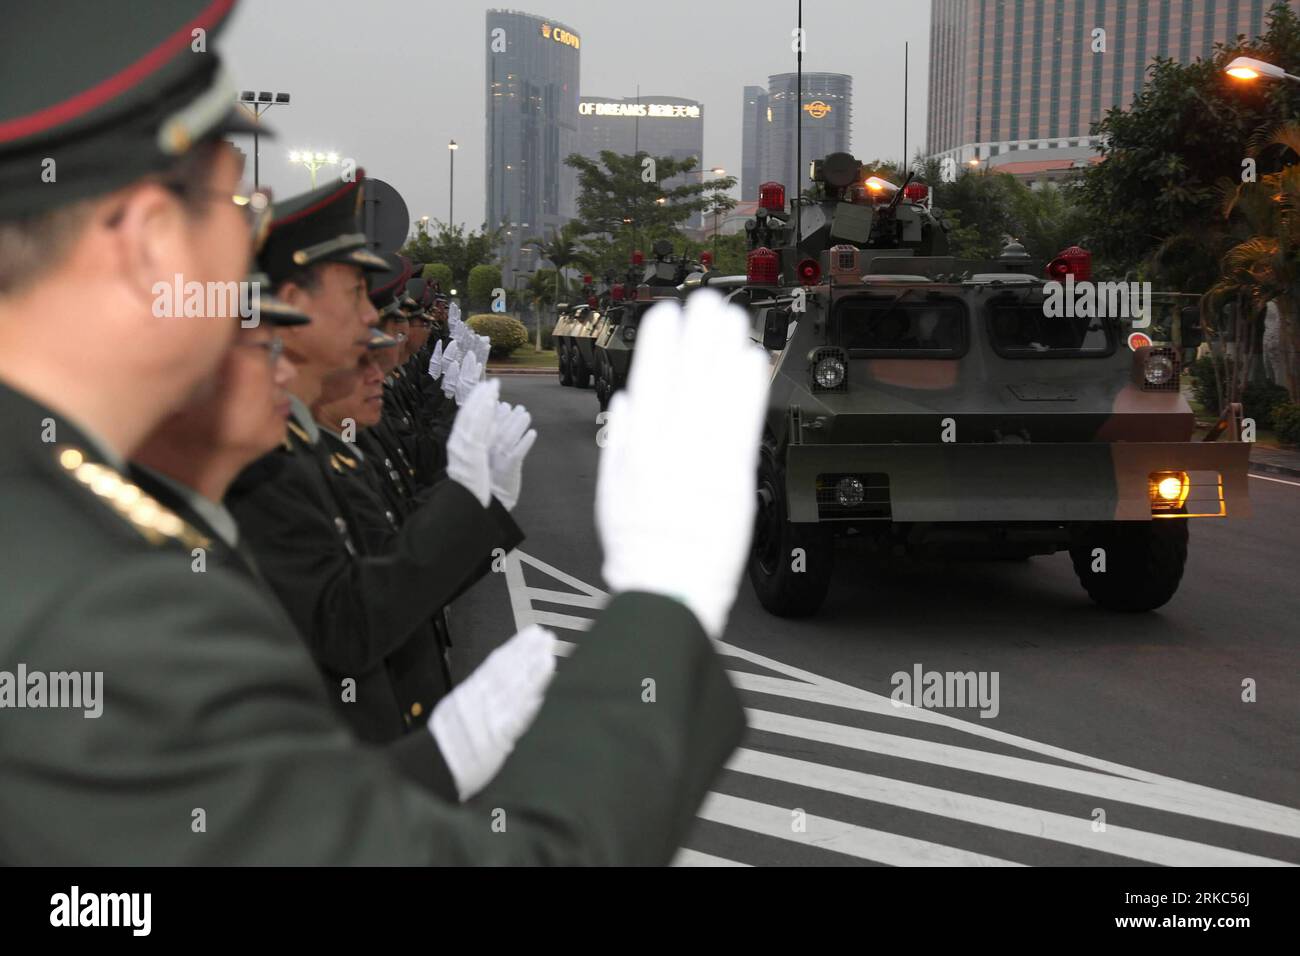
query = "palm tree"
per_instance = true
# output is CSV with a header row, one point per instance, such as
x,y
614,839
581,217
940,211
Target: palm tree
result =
x,y
563,250
1265,266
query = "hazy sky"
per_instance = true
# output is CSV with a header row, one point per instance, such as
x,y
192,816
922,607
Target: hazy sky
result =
x,y
391,81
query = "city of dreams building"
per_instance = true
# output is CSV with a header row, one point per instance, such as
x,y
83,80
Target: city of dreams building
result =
x,y
661,126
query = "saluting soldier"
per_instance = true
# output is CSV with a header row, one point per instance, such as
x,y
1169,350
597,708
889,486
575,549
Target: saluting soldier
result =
x,y
358,605
214,745
189,460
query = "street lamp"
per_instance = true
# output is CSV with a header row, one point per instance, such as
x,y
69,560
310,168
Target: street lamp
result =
x,y
451,184
313,160
1249,68
255,104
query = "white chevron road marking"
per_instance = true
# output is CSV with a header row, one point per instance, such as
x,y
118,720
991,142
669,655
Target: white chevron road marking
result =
x,y
1091,776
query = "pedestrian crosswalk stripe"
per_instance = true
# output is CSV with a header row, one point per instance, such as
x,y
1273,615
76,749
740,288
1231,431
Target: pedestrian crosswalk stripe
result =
x,y
696,858
1092,776
1186,799
837,836
1077,831
595,602
566,621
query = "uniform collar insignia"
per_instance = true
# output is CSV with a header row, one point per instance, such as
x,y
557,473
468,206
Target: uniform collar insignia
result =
x,y
155,523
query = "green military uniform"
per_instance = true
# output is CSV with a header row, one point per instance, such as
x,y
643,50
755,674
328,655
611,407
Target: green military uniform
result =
x,y
212,705
215,743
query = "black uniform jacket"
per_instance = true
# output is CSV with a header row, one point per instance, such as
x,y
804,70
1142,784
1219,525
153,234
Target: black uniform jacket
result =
x,y
358,603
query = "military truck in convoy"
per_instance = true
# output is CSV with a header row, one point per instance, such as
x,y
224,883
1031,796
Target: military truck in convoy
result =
x,y
953,408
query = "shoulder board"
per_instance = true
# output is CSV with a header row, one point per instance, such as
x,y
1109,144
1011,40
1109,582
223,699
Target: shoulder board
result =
x,y
155,523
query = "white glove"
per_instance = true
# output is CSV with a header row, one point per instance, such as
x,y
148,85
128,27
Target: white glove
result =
x,y
450,376
664,528
470,442
470,373
482,347
452,354
435,362
510,446
466,338
453,314
477,724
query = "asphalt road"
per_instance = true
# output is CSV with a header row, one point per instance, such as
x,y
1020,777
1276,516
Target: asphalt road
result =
x,y
1119,739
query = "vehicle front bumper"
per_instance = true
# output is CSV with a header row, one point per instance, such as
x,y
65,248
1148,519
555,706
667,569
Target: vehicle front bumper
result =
x,y
1090,481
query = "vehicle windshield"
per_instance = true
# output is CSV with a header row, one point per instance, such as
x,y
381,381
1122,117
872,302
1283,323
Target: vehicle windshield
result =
x,y
1022,330
894,327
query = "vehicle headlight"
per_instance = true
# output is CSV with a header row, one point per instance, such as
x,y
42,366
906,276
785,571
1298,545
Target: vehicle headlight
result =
x,y
829,372
629,333
850,492
1159,368
1168,489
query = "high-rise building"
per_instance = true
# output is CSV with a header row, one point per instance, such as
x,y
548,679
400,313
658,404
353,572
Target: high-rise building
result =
x,y
827,107
532,126
753,125
669,126
1020,82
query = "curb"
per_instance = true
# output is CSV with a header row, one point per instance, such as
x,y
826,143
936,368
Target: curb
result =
x,y
494,370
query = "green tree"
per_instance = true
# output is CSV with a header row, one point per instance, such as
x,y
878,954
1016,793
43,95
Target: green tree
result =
x,y
483,280
1190,126
441,273
457,249
419,249
563,250
622,198
1264,266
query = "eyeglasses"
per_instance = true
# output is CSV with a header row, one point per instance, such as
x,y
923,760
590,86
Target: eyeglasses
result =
x,y
255,204
274,348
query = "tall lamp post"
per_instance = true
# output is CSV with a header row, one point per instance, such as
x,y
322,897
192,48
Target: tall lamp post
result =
x,y
451,185
1249,68
255,104
313,161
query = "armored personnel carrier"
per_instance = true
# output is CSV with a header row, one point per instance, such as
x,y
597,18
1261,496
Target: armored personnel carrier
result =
x,y
644,284
947,407
574,324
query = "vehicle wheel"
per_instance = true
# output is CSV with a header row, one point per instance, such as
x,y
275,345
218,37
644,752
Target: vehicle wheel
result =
x,y
781,589
578,367
566,371
1144,562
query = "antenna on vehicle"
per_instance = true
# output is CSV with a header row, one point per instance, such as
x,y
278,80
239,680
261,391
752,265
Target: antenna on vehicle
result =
x,y
798,134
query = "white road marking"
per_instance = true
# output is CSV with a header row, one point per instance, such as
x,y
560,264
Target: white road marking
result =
x,y
847,838
566,621
1103,778
1174,797
1027,821
571,600
520,606
696,858
1280,481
